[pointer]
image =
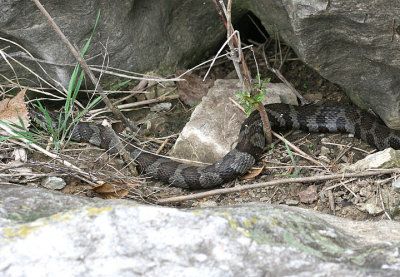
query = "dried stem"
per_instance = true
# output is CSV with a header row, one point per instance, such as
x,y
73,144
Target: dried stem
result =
x,y
235,47
317,178
94,80
281,77
84,65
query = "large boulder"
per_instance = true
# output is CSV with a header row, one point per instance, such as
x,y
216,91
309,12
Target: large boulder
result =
x,y
352,43
44,233
138,36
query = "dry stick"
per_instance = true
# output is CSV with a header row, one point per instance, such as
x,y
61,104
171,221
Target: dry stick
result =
x,y
317,178
331,201
383,205
344,145
342,153
93,68
83,63
162,146
282,78
94,80
137,104
233,45
47,153
295,148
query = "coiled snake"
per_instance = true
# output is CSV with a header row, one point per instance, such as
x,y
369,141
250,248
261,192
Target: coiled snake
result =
x,y
251,142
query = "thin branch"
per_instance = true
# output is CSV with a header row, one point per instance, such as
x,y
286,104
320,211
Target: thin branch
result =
x,y
84,65
47,153
317,178
383,205
298,150
235,47
282,78
125,155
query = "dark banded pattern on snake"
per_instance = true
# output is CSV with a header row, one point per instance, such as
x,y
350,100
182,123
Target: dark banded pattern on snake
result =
x,y
251,142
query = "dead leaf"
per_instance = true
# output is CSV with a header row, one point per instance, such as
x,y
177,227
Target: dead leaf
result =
x,y
12,109
253,172
113,191
308,195
192,91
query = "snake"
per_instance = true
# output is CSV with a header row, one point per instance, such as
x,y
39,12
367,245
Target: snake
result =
x,y
250,143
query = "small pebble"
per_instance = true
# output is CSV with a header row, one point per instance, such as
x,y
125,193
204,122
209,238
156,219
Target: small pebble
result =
x,y
364,192
208,204
162,107
396,186
291,202
370,208
53,183
264,199
325,151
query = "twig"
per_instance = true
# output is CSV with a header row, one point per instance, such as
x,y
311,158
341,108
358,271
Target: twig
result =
x,y
340,184
162,146
351,191
347,148
235,47
344,145
257,27
237,104
47,153
331,201
217,55
298,150
317,178
32,72
383,205
282,78
136,104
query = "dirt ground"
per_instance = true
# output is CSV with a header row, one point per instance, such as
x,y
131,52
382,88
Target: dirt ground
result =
x,y
350,198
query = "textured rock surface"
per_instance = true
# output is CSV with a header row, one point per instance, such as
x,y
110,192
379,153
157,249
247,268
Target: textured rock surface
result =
x,y
383,159
352,43
215,123
74,236
139,35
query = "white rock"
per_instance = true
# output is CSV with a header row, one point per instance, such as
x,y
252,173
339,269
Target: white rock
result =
x,y
53,182
215,123
382,159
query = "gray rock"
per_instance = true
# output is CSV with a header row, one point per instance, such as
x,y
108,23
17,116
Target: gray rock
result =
x,y
140,36
291,202
370,207
396,186
382,159
161,107
121,238
215,123
92,237
351,43
53,182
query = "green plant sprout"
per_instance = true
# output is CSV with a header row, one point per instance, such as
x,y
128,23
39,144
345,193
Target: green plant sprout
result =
x,y
250,101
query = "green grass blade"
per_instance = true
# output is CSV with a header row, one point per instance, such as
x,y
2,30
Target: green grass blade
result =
x,y
296,169
91,36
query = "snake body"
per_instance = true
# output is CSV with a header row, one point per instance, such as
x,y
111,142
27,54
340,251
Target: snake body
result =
x,y
250,144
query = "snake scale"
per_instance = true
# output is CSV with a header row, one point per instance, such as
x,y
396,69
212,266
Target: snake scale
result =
x,y
250,144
